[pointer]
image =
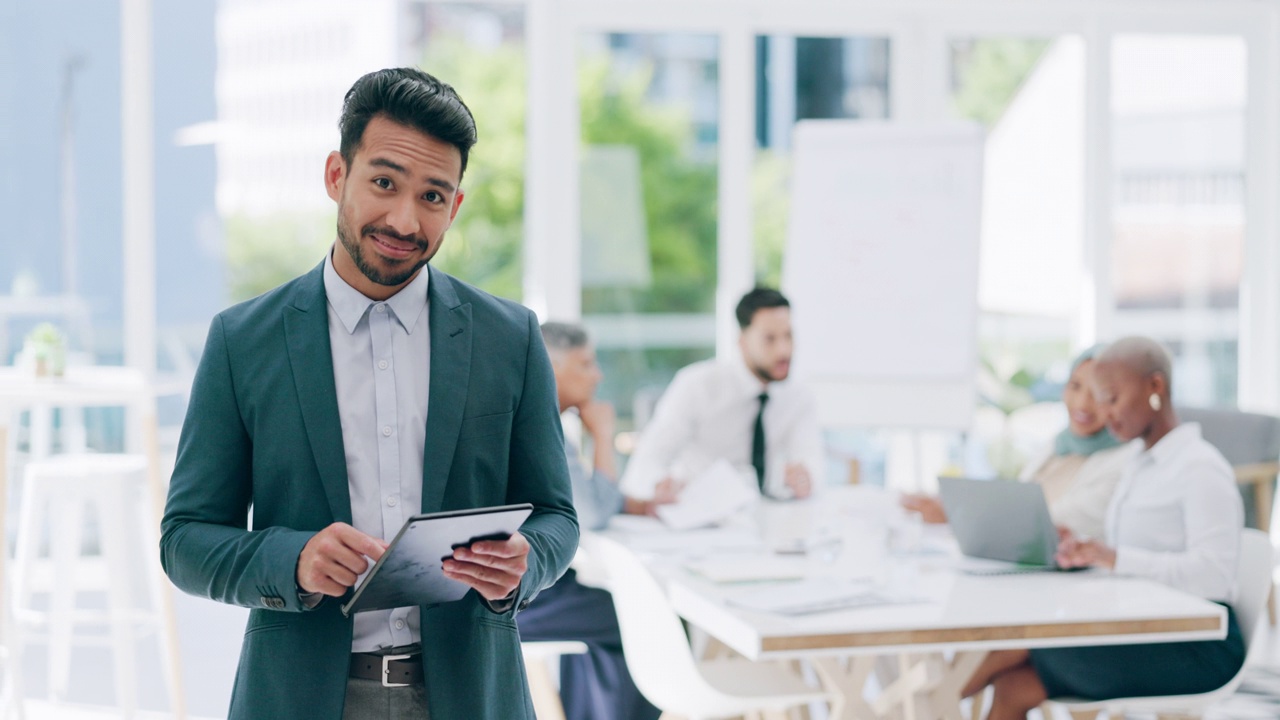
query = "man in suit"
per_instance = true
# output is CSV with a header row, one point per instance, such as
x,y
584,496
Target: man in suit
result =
x,y
349,399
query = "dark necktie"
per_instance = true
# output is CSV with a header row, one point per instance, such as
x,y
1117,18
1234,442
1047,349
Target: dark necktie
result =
x,y
757,442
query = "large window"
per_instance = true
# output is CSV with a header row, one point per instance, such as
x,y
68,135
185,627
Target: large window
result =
x,y
804,78
650,133
1178,108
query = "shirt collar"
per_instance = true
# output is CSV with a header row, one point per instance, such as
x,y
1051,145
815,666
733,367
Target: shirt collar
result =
x,y
1173,441
351,304
747,380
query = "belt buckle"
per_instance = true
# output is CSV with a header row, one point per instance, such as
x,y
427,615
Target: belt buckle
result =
x,y
386,670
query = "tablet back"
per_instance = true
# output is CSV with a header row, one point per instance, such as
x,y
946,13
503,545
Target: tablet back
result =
x,y
410,572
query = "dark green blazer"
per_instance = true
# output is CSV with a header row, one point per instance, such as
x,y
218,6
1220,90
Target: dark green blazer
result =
x,y
262,431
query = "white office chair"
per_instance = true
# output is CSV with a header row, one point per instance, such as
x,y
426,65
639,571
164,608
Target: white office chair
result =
x,y
662,663
538,656
1254,578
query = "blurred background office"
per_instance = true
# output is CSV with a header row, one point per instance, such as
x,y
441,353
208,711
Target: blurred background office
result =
x,y
162,160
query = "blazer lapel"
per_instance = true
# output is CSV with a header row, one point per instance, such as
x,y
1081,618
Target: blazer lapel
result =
x,y
306,329
450,373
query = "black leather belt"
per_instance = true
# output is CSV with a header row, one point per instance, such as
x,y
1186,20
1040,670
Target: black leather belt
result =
x,y
390,670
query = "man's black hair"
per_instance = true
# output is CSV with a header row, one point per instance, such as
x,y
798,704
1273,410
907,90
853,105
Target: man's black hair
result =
x,y
412,98
760,298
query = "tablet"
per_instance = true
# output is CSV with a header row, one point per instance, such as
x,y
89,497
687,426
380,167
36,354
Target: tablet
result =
x,y
410,572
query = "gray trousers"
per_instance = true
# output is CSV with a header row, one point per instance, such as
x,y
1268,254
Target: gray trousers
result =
x,y
369,700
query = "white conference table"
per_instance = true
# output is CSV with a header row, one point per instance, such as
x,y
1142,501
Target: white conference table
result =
x,y
940,638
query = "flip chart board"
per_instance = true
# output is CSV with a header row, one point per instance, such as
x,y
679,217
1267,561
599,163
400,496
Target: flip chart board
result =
x,y
881,268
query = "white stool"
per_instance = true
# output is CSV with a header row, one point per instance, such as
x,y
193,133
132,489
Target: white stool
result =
x,y
10,688
55,494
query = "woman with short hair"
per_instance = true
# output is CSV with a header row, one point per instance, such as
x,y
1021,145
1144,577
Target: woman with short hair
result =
x,y
1175,518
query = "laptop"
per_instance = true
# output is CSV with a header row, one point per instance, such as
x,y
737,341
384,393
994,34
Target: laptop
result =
x,y
1001,520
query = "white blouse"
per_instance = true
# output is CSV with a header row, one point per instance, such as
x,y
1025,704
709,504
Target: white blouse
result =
x,y
1176,516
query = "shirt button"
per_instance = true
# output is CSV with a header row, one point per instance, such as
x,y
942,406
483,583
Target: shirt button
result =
x,y
382,364
386,431
399,624
392,501
382,308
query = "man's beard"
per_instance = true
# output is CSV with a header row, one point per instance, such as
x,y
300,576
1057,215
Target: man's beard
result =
x,y
366,268
763,373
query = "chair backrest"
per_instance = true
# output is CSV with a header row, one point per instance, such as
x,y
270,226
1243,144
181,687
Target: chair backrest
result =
x,y
1253,581
653,639
1242,438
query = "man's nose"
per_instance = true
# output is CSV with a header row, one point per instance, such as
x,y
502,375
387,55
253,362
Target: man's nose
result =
x,y
403,217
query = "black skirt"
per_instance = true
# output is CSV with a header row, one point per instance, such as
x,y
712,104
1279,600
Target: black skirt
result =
x,y
1116,671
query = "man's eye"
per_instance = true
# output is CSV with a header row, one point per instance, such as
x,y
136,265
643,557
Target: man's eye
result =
x,y
433,196
384,183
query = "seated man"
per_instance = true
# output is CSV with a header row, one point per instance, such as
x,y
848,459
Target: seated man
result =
x,y
742,410
595,685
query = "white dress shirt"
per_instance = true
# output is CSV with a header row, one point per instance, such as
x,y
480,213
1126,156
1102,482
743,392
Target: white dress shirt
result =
x,y
709,412
1083,504
381,371
1176,516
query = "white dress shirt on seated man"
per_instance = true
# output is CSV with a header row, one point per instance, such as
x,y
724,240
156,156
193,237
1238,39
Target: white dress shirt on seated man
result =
x,y
708,413
1176,516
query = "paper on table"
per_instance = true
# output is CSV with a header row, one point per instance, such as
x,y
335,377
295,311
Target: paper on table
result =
x,y
818,595
713,496
748,567
693,541
640,524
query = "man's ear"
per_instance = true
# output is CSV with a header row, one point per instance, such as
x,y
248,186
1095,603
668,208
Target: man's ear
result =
x,y
335,175
457,203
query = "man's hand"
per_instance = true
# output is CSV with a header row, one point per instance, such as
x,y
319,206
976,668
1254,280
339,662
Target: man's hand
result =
x,y
333,558
667,491
492,567
927,505
664,493
1083,552
636,506
797,479
599,419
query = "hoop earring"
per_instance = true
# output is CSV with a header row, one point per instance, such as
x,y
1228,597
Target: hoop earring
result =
x,y
1155,403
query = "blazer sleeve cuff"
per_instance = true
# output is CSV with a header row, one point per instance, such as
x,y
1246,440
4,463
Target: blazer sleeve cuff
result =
x,y
279,590
501,606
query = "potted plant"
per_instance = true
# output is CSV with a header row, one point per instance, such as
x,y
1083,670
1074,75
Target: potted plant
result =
x,y
46,349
